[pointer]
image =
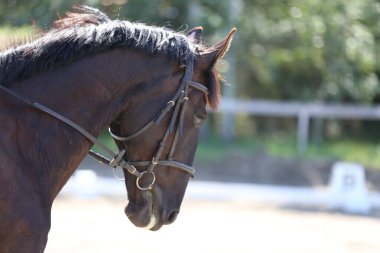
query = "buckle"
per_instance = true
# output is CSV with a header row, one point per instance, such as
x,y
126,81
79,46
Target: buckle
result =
x,y
116,160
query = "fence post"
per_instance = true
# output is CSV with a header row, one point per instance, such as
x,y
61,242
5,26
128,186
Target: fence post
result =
x,y
303,131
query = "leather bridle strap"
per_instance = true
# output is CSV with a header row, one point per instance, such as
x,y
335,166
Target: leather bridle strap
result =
x,y
200,87
177,165
179,102
116,157
156,120
58,116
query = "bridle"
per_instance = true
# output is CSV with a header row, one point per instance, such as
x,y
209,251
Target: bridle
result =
x,y
178,102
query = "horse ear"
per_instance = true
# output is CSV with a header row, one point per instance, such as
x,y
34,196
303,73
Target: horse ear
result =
x,y
212,54
207,59
195,34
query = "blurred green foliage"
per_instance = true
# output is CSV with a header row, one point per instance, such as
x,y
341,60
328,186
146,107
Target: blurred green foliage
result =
x,y
312,50
288,50
291,49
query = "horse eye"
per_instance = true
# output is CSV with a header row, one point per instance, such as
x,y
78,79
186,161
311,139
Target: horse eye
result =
x,y
197,120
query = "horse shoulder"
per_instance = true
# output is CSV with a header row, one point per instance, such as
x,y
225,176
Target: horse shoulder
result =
x,y
24,217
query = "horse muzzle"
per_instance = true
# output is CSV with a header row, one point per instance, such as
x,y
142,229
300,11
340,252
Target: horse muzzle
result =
x,y
148,212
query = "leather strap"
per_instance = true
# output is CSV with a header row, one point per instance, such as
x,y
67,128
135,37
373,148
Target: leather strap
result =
x,y
179,101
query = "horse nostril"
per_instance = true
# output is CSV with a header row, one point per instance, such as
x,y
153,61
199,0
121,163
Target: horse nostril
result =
x,y
172,217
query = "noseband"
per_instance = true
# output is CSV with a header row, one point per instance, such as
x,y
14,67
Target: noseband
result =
x,y
179,103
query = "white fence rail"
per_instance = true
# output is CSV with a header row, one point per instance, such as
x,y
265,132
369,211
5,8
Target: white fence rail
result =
x,y
302,111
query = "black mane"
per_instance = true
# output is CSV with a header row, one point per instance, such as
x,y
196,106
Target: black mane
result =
x,y
83,33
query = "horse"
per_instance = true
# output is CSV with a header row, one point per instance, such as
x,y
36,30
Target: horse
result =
x,y
149,85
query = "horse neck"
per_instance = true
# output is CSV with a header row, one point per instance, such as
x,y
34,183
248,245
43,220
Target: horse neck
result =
x,y
88,92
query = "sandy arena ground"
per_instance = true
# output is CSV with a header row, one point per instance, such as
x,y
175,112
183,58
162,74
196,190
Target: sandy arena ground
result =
x,y
99,225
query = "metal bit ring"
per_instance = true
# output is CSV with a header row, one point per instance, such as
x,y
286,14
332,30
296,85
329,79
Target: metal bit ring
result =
x,y
150,185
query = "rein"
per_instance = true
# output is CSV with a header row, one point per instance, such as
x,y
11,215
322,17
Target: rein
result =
x,y
179,102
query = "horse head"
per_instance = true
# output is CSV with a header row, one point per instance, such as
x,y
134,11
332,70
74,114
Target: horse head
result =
x,y
159,135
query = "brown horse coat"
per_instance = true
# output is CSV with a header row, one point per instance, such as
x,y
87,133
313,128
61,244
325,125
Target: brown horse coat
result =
x,y
94,71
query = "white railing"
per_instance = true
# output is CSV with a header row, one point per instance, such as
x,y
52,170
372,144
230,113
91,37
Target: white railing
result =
x,y
302,111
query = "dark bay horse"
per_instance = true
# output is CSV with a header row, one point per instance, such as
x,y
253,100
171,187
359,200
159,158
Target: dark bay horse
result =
x,y
150,85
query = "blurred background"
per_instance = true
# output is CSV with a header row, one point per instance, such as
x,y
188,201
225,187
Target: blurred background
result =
x,y
300,98
311,52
